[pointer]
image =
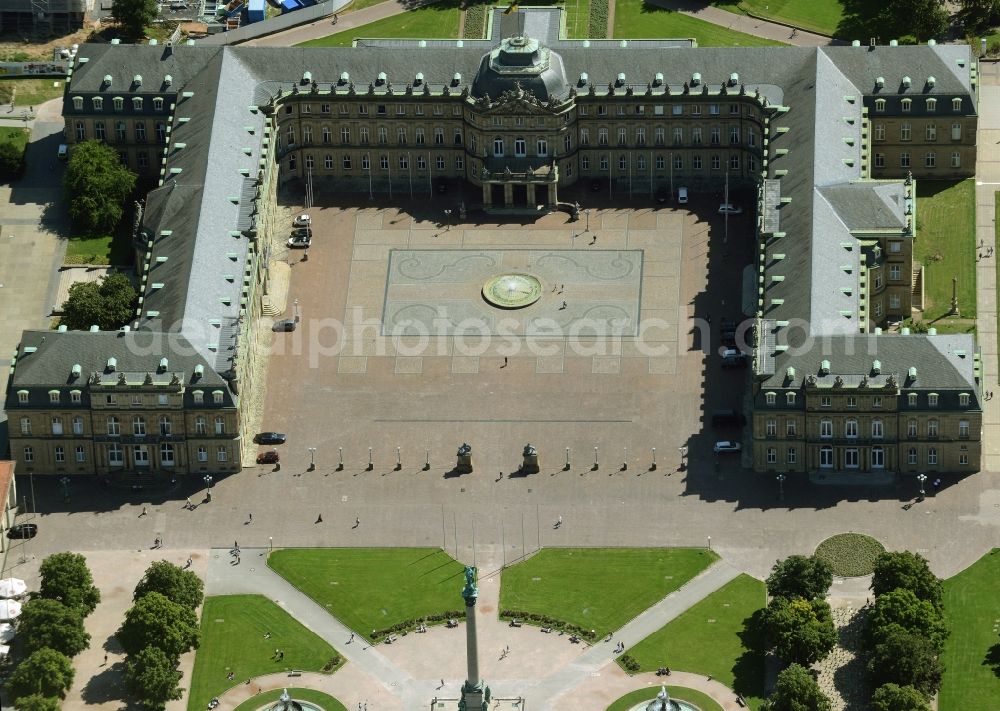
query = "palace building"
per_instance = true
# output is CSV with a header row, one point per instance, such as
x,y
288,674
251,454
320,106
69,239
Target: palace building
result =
x,y
830,139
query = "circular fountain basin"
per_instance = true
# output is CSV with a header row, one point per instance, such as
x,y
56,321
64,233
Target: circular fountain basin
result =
x,y
512,291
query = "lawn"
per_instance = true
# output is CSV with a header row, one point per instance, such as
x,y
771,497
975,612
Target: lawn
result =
x,y
971,657
324,701
577,14
850,554
17,136
638,20
946,245
633,699
437,21
375,588
821,16
598,588
30,92
707,639
103,249
232,639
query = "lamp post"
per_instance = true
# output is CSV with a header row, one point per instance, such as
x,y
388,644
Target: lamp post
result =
x,y
921,478
399,461
595,459
297,316
65,486
781,486
566,467
625,460
447,219
652,467
370,464
208,483
340,464
312,458
587,213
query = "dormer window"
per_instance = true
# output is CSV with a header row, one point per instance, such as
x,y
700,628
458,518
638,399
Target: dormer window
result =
x,y
932,104
157,103
119,103
963,399
932,400
789,398
217,397
78,103
906,105
880,104
199,396
22,397
75,396
137,103
54,397
98,103
956,104
911,399
770,398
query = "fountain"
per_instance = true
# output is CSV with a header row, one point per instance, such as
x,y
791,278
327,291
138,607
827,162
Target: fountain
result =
x,y
287,703
663,702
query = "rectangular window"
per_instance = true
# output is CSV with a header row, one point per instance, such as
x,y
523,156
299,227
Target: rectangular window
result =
x,y
696,136
930,132
25,426
418,136
904,160
734,135
202,454
932,456
851,458
772,455
790,428
851,429
141,454
904,131
29,455
81,454
876,403
932,428
221,454
383,135
956,132
716,136
696,162
879,132
895,272
826,457
116,455
621,136
602,136
956,160
880,160
60,455
932,400
911,456
716,162
790,455
825,401
911,428
878,458
963,428
930,160
770,427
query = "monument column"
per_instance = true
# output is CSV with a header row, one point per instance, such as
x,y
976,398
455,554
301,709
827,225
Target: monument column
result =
x,y
473,690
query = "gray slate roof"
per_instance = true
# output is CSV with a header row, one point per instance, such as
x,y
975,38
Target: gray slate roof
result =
x,y
50,365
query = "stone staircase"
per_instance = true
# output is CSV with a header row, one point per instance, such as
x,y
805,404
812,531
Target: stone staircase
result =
x,y
917,290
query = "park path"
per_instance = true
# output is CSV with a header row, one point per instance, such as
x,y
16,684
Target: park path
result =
x,y
253,577
987,184
653,618
744,23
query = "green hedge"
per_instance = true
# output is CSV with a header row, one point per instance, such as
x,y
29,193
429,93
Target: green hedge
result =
x,y
598,19
411,625
475,20
546,621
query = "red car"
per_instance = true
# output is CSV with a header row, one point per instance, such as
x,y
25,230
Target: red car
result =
x,y
268,457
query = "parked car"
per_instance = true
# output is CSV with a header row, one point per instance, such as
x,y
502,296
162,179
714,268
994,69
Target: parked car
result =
x,y
268,457
682,195
727,446
22,530
302,242
727,418
63,152
302,220
270,438
727,208
286,325
302,233
732,358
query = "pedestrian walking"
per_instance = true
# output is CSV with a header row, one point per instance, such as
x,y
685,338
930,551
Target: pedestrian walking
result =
x,y
144,512
563,306
319,519
237,559
105,659
442,684
187,504
357,521
351,639
250,517
505,361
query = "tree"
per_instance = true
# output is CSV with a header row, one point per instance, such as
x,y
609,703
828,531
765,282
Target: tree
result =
x,y
905,658
923,19
37,702
903,569
893,697
65,577
109,303
800,631
49,623
45,673
97,186
11,160
800,576
796,690
151,677
155,621
134,15
181,586
903,608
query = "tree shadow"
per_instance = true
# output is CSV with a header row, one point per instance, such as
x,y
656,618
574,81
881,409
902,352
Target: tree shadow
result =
x,y
102,687
992,659
748,670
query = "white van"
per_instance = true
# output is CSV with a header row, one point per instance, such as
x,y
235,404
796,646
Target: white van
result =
x,y
63,153
682,195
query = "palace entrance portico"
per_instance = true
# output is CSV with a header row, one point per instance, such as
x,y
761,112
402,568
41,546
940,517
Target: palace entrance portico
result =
x,y
526,188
